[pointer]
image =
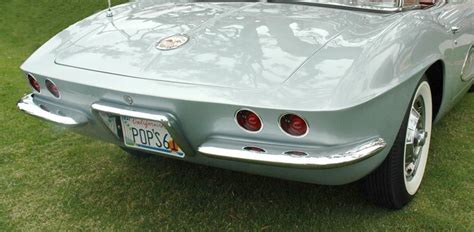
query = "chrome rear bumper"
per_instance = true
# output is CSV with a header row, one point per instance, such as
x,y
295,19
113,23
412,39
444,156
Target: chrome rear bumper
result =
x,y
277,155
64,117
308,157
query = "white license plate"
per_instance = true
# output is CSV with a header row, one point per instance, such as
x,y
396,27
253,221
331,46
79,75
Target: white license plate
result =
x,y
149,135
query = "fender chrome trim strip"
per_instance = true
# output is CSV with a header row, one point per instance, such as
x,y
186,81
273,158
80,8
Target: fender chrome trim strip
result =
x,y
27,105
316,158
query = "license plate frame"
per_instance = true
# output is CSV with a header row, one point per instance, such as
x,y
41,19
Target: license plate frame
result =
x,y
149,135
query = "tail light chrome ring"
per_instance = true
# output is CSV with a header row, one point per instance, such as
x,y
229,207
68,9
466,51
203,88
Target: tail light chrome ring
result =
x,y
52,88
34,82
243,110
287,133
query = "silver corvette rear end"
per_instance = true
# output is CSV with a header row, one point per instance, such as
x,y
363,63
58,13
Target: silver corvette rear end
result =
x,y
175,81
341,146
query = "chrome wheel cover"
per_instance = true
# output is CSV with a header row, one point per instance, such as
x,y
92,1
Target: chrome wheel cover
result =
x,y
417,138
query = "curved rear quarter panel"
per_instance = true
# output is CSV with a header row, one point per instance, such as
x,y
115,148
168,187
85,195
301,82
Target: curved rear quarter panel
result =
x,y
361,64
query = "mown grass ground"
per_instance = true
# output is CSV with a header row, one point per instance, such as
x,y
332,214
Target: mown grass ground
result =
x,y
51,179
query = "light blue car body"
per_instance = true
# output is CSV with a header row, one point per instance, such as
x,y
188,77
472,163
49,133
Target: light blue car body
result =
x,y
350,73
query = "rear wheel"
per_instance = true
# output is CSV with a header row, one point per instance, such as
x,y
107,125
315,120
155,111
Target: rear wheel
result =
x,y
398,178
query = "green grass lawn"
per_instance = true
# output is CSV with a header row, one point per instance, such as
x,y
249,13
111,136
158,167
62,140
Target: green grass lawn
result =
x,y
51,179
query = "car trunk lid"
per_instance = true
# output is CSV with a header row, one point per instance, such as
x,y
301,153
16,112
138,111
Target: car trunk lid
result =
x,y
236,45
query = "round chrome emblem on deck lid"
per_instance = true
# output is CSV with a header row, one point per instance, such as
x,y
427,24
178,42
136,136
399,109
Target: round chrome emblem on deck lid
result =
x,y
172,42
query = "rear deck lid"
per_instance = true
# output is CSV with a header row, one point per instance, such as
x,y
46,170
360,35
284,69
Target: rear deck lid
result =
x,y
238,45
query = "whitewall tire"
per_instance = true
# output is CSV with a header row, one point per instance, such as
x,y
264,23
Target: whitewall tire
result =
x,y
394,183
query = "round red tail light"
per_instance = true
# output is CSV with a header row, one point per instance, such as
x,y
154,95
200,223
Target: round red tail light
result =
x,y
53,89
249,120
293,125
34,83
